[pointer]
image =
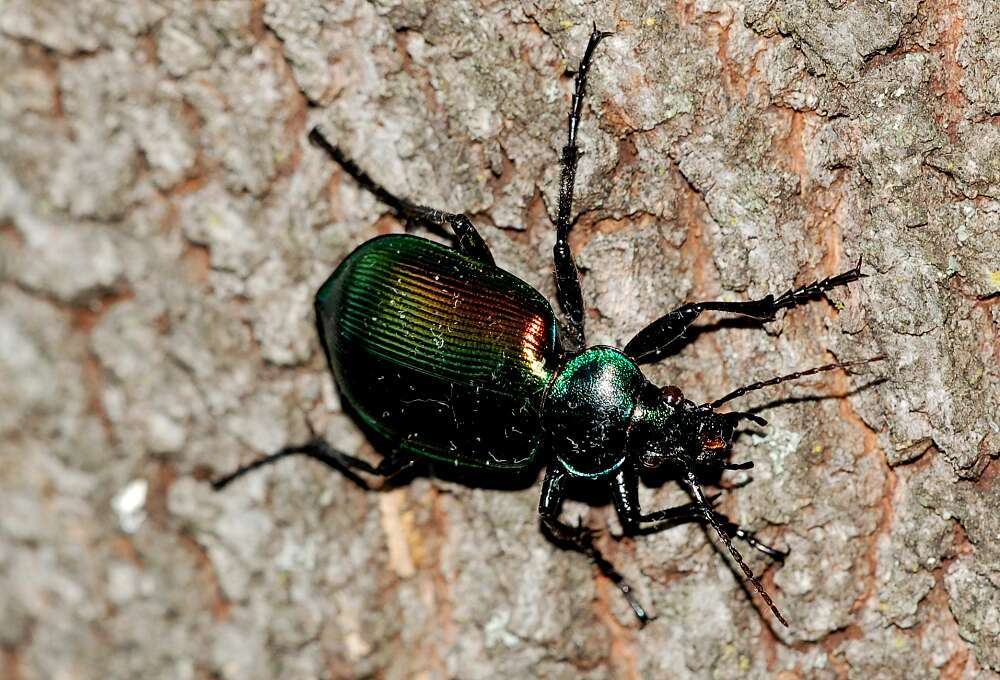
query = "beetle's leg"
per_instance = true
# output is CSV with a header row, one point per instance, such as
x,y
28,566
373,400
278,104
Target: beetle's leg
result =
x,y
692,512
580,538
467,239
625,492
626,497
658,335
567,278
319,450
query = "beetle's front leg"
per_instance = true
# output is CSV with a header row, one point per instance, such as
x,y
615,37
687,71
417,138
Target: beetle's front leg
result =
x,y
626,496
658,335
580,538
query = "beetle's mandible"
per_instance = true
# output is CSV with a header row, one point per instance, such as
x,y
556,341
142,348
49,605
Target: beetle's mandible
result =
x,y
446,356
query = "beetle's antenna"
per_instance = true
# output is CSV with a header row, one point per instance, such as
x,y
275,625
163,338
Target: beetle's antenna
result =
x,y
739,392
699,496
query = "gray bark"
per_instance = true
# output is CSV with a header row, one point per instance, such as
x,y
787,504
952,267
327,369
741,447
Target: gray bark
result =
x,y
164,225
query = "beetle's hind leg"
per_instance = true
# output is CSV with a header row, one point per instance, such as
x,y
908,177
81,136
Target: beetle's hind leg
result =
x,y
468,241
580,538
319,449
658,335
567,278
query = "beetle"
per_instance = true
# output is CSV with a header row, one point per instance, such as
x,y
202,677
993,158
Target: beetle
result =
x,y
448,357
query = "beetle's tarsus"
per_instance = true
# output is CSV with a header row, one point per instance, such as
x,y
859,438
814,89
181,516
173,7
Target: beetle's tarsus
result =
x,y
581,538
600,34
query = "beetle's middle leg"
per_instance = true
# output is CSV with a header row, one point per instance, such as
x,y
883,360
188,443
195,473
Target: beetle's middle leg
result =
x,y
658,335
567,278
626,496
580,538
319,449
468,241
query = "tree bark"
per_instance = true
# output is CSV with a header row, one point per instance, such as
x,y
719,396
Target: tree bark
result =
x,y
165,224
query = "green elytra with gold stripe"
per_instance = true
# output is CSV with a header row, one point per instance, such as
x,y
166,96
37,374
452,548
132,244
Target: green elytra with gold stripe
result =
x,y
440,354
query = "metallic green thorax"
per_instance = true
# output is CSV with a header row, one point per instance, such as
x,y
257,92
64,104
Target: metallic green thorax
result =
x,y
588,410
439,354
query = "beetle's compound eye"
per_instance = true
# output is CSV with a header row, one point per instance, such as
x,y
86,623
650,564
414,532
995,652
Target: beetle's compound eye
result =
x,y
672,394
652,459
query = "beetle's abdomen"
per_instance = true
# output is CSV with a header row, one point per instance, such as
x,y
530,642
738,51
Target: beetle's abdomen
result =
x,y
438,353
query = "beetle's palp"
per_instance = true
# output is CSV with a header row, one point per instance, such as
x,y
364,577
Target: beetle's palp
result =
x,y
737,416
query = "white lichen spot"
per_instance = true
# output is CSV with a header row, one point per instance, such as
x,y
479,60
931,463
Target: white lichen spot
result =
x,y
326,497
357,648
780,445
495,631
129,505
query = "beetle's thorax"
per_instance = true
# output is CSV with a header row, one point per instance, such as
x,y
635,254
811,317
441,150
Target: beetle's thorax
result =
x,y
588,408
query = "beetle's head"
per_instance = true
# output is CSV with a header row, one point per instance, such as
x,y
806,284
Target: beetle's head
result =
x,y
668,429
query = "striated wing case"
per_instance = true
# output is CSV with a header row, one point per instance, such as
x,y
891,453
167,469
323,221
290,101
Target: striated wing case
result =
x,y
439,354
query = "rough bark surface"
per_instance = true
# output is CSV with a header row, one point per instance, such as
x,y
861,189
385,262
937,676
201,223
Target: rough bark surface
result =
x,y
164,225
